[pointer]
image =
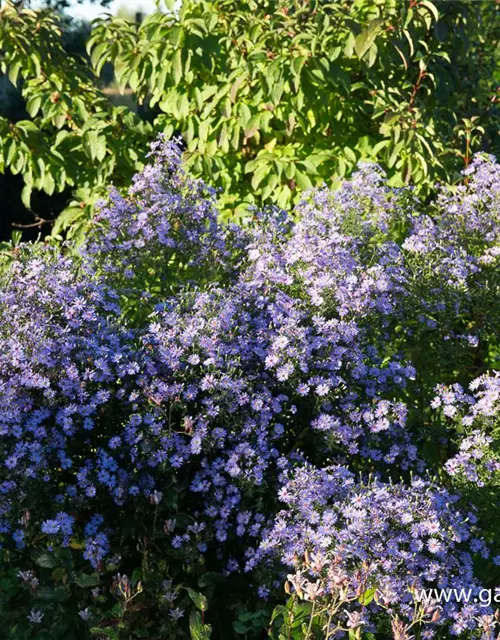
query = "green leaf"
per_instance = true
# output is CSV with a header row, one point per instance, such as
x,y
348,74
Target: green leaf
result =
x,y
84,580
235,138
177,67
51,595
240,627
283,198
199,631
210,578
59,121
253,126
277,92
430,7
61,135
94,145
199,599
26,200
45,560
297,64
259,175
402,55
100,148
198,99
105,631
27,126
183,106
235,86
303,180
14,72
350,155
290,171
33,105
367,37
49,183
441,30
310,165
97,58
366,597
10,152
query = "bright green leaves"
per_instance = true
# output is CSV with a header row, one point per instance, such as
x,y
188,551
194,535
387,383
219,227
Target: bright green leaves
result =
x,y
268,102
367,596
197,627
431,8
33,105
94,145
252,126
234,80
177,66
75,139
366,39
293,621
200,601
199,630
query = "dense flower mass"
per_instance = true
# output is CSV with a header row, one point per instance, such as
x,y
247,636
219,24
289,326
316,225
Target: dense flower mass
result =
x,y
163,231
397,539
477,415
234,365
156,411
64,368
166,212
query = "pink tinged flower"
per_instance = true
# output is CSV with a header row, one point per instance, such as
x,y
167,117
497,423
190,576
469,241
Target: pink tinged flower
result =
x,y
434,546
297,582
312,590
436,402
322,389
317,561
449,411
355,619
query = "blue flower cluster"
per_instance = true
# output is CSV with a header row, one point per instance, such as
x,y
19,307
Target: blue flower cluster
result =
x,y
340,533
477,415
198,375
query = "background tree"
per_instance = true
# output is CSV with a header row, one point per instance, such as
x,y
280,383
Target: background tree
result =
x,y
269,97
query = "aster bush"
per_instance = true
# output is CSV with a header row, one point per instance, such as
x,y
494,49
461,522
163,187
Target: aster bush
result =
x,y
472,418
356,549
202,424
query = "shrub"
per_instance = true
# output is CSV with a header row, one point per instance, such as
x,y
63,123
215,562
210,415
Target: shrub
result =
x,y
149,431
357,551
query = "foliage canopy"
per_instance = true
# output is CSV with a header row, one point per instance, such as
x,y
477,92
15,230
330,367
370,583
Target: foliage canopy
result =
x,y
270,97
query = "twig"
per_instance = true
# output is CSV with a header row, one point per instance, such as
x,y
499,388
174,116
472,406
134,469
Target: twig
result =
x,y
38,223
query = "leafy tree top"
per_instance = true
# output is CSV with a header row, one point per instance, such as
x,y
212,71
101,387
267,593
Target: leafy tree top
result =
x,y
270,97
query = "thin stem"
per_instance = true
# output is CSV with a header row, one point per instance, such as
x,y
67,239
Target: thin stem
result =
x,y
309,628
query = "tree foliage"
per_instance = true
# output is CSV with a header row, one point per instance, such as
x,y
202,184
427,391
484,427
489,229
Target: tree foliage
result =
x,y
74,137
270,97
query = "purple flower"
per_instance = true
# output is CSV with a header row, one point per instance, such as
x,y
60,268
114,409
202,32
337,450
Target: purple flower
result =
x,y
51,527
